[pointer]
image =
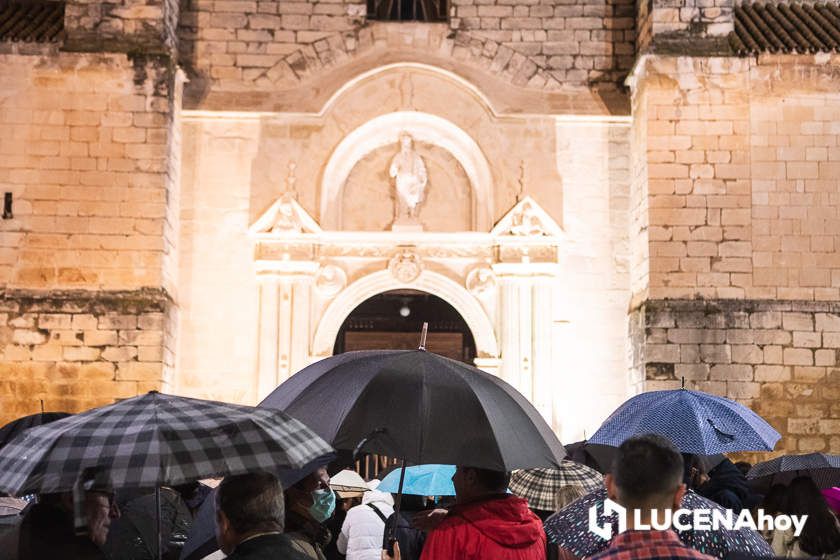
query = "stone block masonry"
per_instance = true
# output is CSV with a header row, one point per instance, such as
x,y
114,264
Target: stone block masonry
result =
x,y
84,151
778,357
78,350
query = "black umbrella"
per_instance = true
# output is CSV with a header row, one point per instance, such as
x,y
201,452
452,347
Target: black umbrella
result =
x,y
15,427
595,455
421,407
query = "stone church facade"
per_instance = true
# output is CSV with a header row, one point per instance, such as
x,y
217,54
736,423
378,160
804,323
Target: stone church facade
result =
x,y
618,196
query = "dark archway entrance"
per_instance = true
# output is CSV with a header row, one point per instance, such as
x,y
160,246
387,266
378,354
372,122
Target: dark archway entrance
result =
x,y
393,320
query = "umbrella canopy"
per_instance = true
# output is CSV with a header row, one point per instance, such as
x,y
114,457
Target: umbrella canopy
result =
x,y
540,486
132,535
694,421
421,480
569,528
599,457
15,427
824,469
348,481
421,407
156,439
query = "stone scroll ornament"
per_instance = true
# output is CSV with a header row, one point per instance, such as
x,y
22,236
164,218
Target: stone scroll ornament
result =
x,y
330,280
406,266
410,178
481,280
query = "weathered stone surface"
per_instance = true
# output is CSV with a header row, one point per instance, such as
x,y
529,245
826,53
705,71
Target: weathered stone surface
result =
x,y
786,374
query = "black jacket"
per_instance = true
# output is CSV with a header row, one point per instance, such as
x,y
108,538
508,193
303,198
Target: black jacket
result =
x,y
728,487
46,533
411,540
275,546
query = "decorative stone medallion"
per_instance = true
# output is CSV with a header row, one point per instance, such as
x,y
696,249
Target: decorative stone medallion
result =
x,y
481,280
330,280
406,266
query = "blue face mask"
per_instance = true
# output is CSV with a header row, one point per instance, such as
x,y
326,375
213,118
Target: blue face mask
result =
x,y
323,505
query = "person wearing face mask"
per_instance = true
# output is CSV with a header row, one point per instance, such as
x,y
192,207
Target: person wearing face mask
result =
x,y
309,503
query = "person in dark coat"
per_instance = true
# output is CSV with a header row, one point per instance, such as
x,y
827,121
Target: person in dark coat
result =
x,y
250,518
310,503
411,539
49,528
728,486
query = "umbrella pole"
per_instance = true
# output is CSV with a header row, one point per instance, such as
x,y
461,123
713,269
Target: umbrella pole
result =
x,y
158,547
393,529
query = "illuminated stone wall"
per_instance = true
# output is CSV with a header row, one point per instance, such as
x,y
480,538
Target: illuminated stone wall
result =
x,y
737,166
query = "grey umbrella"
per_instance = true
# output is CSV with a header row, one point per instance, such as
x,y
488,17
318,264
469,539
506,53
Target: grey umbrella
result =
x,y
823,468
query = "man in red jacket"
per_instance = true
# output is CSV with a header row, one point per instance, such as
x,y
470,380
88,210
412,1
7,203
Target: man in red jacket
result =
x,y
486,523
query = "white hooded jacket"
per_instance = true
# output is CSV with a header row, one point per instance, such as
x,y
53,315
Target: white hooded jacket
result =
x,y
363,530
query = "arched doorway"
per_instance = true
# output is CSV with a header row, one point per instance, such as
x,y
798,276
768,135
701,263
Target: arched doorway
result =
x,y
394,319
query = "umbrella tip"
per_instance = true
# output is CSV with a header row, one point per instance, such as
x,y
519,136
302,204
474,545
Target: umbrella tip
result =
x,y
423,334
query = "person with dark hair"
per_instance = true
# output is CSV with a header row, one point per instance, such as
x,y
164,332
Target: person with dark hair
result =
x,y
821,534
485,522
694,471
250,518
309,504
647,476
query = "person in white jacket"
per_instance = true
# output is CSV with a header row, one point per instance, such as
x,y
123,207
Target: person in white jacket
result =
x,y
364,527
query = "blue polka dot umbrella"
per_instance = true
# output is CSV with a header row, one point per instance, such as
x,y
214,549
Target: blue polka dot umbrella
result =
x,y
694,421
569,529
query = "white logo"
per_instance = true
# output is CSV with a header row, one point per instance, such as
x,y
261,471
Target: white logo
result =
x,y
694,519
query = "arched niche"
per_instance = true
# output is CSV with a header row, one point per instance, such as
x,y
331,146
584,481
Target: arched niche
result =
x,y
454,294
386,129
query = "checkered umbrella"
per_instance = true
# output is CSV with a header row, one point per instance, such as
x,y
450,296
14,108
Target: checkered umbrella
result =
x,y
540,486
155,440
824,469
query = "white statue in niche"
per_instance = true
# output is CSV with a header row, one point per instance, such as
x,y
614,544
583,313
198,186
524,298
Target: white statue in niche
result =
x,y
409,172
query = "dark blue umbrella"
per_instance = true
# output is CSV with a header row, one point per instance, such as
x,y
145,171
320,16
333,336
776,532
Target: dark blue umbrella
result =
x,y
569,529
694,421
824,469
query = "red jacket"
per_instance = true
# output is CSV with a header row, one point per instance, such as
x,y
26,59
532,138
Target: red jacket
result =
x,y
499,528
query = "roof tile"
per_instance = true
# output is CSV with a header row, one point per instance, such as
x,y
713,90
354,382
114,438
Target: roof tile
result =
x,y
31,22
786,27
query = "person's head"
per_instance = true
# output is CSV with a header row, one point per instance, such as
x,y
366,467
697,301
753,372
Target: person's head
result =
x,y
694,470
93,504
567,494
247,504
312,496
647,473
405,141
472,483
100,509
820,534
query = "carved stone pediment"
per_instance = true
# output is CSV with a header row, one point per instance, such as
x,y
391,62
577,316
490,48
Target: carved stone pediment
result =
x,y
285,218
525,220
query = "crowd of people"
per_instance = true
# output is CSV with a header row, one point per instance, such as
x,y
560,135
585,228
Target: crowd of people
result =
x,y
257,519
